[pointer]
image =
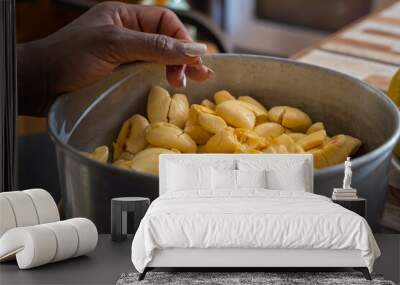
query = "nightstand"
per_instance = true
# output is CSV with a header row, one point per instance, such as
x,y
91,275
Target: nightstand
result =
x,y
358,206
120,207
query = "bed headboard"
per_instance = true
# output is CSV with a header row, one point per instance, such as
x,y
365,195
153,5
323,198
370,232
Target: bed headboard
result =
x,y
233,159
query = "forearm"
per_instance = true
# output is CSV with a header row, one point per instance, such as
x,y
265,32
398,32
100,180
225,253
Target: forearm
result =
x,y
34,97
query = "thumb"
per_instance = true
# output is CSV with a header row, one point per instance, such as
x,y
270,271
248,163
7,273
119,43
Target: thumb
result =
x,y
127,45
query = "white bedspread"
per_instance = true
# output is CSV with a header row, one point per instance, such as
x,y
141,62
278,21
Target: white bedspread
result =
x,y
250,219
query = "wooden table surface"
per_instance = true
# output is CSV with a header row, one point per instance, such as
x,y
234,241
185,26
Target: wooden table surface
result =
x,y
369,49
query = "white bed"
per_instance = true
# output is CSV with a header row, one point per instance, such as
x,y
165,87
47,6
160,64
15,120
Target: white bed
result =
x,y
197,224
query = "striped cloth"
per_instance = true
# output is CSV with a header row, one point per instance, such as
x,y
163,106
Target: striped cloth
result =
x,y
368,50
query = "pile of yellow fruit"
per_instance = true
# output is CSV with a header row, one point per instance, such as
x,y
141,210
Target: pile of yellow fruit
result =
x,y
227,125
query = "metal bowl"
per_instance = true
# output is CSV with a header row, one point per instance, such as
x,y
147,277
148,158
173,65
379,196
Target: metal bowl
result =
x,y
91,117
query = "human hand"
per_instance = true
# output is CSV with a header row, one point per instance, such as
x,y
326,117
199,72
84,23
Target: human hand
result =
x,y
110,34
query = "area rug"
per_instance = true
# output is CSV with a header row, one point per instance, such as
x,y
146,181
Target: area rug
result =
x,y
244,278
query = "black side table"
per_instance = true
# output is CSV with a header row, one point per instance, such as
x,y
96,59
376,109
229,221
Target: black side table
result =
x,y
358,206
119,215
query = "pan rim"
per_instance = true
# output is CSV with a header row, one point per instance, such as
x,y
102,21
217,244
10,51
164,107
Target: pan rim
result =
x,y
334,169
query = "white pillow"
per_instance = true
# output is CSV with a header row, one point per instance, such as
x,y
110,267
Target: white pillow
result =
x,y
282,173
223,179
293,180
251,178
182,177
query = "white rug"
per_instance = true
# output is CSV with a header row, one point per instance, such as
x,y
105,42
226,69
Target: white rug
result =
x,y
244,278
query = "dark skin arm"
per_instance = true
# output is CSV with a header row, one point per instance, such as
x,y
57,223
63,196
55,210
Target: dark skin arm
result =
x,y
92,46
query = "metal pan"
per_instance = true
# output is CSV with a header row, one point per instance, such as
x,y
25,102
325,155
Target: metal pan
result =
x,y
91,117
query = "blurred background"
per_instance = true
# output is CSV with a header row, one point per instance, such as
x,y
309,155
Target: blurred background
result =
x,y
306,30
270,27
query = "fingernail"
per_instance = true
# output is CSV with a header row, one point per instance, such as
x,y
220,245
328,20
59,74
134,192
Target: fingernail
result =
x,y
211,73
194,49
184,81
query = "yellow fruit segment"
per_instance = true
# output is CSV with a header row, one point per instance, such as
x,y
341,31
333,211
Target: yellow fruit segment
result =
x,y
158,104
297,136
315,128
195,110
275,114
145,161
99,154
256,110
260,113
224,141
292,118
178,110
283,139
269,130
254,102
222,96
209,104
248,150
131,136
211,123
236,115
197,133
136,140
276,149
312,140
319,159
250,140
339,148
296,120
166,135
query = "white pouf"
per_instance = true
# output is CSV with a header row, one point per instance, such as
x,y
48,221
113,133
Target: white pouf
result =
x,y
33,246
26,208
67,239
7,218
23,208
45,205
87,233
40,244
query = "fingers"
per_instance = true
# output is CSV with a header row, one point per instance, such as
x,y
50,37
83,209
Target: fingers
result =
x,y
122,45
151,19
199,72
164,40
176,75
159,20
